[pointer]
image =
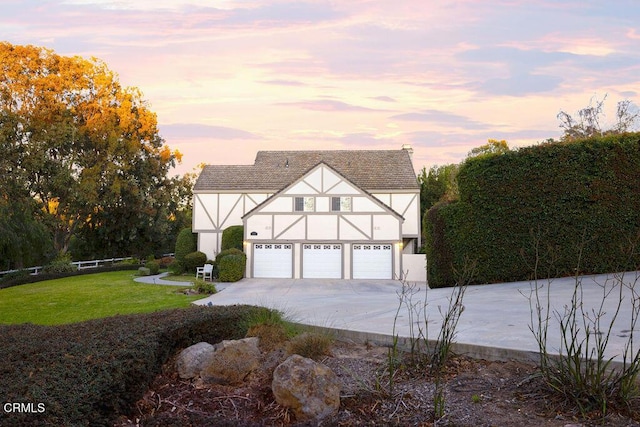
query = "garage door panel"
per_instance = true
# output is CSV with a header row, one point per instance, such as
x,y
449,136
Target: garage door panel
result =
x,y
372,261
273,260
322,261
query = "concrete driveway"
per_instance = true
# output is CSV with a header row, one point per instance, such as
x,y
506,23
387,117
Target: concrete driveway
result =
x,y
495,322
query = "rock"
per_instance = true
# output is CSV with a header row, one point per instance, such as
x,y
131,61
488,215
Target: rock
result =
x,y
309,388
232,361
193,359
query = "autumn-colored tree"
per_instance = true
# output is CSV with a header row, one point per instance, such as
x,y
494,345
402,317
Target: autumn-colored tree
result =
x,y
86,150
492,147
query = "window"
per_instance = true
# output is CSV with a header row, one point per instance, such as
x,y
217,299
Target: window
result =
x,y
304,204
341,204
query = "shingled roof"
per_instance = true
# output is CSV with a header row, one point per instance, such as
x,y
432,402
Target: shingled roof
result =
x,y
274,170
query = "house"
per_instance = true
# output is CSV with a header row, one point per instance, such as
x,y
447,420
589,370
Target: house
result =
x,y
316,214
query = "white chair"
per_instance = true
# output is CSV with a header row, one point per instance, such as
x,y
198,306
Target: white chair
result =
x,y
205,271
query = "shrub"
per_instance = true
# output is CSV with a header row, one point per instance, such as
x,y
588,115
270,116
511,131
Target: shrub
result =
x,y
231,268
194,260
176,267
144,271
310,344
232,237
18,274
165,261
271,337
232,251
92,372
185,243
153,266
203,287
60,264
22,280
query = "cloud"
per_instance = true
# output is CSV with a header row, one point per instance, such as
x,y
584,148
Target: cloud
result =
x,y
283,82
195,130
384,99
442,118
518,85
327,105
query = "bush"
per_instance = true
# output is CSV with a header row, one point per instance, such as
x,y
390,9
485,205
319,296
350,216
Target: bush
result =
x,y
60,264
203,287
144,271
232,251
18,274
8,282
153,266
186,243
310,344
232,237
176,267
91,372
231,268
165,261
194,260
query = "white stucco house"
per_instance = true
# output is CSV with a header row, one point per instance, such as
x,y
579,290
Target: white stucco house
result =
x,y
316,214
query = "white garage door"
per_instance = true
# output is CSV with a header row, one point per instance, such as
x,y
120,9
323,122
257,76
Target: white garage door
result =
x,y
322,261
272,260
372,261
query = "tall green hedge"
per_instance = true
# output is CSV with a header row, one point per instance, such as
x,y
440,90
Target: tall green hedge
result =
x,y
232,237
186,243
559,206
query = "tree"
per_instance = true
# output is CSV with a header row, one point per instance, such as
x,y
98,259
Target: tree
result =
x,y
86,150
491,148
438,184
588,123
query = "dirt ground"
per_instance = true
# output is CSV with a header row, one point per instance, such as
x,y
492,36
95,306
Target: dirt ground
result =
x,y
476,393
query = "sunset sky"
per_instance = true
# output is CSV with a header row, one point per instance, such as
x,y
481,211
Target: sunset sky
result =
x,y
229,78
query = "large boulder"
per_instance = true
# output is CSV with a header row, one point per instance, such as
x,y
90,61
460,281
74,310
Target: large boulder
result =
x,y
309,388
193,359
232,361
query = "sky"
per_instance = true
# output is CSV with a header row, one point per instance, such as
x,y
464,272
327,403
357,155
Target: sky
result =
x,y
227,78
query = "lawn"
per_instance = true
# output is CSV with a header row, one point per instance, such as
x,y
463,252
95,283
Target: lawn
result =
x,y
92,296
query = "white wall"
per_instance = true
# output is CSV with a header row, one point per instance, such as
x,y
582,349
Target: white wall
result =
x,y
414,267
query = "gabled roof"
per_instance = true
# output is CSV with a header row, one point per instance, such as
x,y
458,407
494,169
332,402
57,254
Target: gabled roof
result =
x,y
301,177
274,170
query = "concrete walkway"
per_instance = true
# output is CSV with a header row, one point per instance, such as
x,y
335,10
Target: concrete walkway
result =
x,y
495,323
157,280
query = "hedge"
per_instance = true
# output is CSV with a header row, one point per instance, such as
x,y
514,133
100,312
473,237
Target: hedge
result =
x,y
194,260
232,237
22,277
186,242
560,206
231,268
89,373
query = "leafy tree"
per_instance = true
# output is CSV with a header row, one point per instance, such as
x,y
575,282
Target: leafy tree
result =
x,y
87,151
438,184
588,121
491,148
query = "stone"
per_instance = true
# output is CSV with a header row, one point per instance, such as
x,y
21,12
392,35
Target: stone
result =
x,y
193,359
309,388
232,361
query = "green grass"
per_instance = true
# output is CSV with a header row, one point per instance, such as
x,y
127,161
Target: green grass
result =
x,y
74,299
